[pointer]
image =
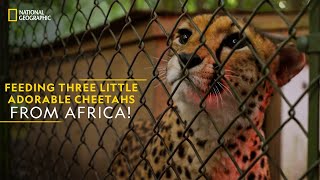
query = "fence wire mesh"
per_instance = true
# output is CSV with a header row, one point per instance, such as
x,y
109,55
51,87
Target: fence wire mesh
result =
x,y
113,41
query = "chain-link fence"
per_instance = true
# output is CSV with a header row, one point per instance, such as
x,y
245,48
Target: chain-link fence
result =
x,y
131,42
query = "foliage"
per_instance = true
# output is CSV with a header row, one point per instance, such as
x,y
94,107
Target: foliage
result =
x,y
73,16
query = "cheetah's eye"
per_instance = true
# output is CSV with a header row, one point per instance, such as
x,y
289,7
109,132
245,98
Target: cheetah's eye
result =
x,y
184,35
232,39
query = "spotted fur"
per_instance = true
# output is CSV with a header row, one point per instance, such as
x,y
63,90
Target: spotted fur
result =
x,y
215,138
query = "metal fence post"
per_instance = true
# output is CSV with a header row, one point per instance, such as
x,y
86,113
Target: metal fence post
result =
x,y
4,108
314,94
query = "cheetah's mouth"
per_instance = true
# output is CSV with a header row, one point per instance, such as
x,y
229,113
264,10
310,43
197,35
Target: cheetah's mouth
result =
x,y
216,86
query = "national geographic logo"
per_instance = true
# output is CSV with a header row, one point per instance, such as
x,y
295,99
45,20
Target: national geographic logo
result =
x,y
27,15
12,15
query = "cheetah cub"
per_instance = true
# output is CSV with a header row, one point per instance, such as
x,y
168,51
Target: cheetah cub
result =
x,y
210,134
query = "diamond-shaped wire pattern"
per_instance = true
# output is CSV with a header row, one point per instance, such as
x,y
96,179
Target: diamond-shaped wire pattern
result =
x,y
110,39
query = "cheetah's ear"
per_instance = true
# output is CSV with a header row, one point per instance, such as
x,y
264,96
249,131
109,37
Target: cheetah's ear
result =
x,y
291,63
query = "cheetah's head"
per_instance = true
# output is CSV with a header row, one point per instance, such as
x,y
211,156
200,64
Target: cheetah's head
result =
x,y
222,58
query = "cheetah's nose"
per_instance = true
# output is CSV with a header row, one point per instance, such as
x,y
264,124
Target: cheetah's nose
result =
x,y
194,60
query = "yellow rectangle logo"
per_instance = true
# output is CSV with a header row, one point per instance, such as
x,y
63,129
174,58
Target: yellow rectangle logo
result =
x,y
12,15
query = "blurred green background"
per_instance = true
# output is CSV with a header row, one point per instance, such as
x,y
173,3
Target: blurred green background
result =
x,y
73,16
